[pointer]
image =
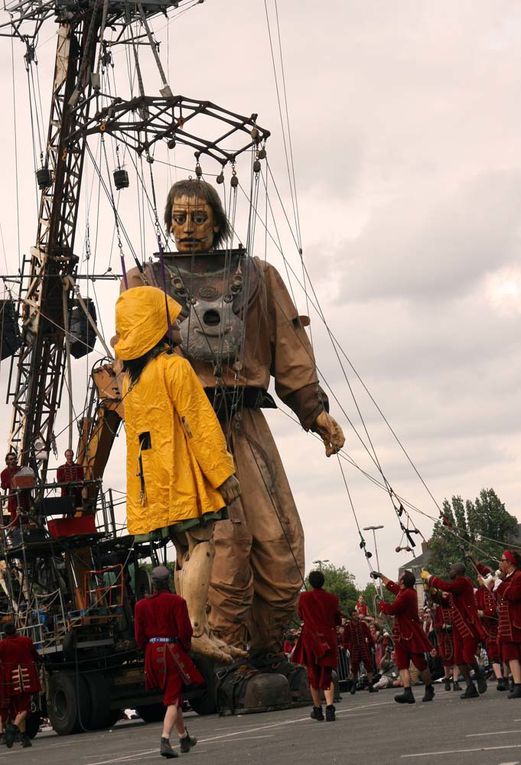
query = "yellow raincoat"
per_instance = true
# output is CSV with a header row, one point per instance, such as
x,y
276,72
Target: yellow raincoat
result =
x,y
176,450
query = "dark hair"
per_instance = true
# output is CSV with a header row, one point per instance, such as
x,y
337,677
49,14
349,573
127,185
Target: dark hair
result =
x,y
408,579
194,187
9,628
458,568
161,585
316,579
134,367
11,454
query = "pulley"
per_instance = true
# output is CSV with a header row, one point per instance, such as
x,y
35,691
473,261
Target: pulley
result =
x,y
83,336
44,178
10,339
120,179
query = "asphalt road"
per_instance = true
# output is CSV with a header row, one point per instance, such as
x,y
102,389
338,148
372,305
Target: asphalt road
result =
x,y
369,729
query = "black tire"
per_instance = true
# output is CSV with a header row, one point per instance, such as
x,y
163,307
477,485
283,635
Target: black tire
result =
x,y
101,715
151,713
68,703
204,701
32,724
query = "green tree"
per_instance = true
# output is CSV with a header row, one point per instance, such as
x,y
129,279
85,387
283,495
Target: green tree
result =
x,y
481,529
339,581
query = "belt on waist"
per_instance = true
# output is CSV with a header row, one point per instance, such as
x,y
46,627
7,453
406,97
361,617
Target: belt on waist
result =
x,y
163,640
227,401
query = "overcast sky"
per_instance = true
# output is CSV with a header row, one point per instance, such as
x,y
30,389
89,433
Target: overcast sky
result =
x,y
405,123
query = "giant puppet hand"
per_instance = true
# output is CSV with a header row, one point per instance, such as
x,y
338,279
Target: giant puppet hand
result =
x,y
330,432
230,489
425,575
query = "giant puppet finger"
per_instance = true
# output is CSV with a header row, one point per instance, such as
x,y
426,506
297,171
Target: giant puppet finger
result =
x,y
230,489
330,432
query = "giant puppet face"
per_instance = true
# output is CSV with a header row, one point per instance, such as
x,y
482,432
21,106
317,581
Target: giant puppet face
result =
x,y
193,224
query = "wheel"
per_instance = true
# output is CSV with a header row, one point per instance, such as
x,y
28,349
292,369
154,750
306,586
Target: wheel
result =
x,y
101,715
68,703
151,712
204,701
32,723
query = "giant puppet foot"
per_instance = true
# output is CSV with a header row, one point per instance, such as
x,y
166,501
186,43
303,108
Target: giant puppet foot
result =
x,y
208,646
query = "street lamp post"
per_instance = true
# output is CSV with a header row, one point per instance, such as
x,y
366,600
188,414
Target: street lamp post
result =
x,y
374,529
320,563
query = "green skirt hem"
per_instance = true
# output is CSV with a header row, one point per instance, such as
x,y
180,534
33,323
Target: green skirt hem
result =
x,y
166,532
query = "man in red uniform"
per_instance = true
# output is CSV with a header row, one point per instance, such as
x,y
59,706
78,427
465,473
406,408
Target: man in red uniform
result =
x,y
410,641
19,679
487,612
316,646
6,477
69,473
509,607
467,631
358,640
361,606
162,628
442,606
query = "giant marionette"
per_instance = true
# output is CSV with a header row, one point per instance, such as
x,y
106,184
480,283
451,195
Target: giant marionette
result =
x,y
238,328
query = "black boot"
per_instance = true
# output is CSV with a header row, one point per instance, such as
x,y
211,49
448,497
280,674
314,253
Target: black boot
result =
x,y
317,713
406,697
372,689
187,742
352,690
165,750
515,693
457,686
26,741
471,692
330,713
429,693
502,684
447,683
11,732
481,681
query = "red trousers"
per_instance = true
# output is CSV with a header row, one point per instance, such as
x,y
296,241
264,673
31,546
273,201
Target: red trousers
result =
x,y
404,656
319,677
510,651
465,649
21,702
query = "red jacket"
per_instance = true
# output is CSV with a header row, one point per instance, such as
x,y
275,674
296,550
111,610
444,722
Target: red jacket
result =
x,y
162,615
5,478
508,596
465,619
18,666
71,474
317,643
407,625
486,602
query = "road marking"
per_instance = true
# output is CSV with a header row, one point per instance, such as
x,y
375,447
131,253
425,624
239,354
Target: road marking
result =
x,y
462,751
492,733
267,726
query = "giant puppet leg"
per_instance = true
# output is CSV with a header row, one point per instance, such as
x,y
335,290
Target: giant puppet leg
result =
x,y
195,554
259,564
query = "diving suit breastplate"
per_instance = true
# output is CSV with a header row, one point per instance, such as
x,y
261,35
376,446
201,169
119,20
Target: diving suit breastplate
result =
x,y
214,291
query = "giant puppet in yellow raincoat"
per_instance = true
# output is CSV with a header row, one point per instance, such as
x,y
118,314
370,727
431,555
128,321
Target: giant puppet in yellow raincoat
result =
x,y
180,475
239,328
